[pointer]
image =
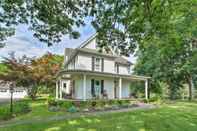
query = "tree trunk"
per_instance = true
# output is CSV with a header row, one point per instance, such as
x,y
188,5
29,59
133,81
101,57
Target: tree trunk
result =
x,y
33,91
190,88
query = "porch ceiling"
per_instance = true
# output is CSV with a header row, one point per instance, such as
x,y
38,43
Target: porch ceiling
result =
x,y
105,74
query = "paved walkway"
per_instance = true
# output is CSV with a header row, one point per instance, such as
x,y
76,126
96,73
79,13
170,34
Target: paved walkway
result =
x,y
70,116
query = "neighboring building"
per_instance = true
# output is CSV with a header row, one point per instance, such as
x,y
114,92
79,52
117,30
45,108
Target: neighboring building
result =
x,y
92,73
18,93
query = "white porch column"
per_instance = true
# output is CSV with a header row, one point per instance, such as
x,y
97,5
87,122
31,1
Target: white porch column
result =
x,y
84,87
120,88
60,90
57,90
146,88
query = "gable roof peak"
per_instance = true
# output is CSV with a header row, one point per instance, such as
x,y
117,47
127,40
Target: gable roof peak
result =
x,y
87,41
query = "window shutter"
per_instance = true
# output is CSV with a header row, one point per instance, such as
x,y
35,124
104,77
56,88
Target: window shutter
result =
x,y
118,68
92,88
73,88
93,63
102,86
102,66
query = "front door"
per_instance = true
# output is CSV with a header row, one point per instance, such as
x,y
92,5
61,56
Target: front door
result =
x,y
97,88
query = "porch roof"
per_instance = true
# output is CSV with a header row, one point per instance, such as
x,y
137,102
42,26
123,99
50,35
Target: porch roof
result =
x,y
106,74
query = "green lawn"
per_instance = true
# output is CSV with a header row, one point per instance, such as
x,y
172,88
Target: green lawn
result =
x,y
39,110
180,116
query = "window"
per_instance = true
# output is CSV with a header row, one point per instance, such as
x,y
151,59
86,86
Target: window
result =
x,y
97,83
64,85
116,68
97,64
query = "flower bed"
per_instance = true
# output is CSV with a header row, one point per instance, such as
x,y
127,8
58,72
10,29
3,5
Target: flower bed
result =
x,y
89,106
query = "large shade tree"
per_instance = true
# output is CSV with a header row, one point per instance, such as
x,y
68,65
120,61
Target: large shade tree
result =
x,y
121,23
48,19
171,58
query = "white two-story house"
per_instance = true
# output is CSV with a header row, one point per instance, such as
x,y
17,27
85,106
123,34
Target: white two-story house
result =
x,y
93,73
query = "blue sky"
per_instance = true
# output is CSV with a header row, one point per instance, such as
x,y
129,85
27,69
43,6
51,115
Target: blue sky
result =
x,y
23,42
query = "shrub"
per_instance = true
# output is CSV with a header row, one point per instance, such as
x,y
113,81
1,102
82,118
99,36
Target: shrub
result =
x,y
77,103
101,103
126,102
72,109
18,108
110,102
21,107
155,99
5,113
119,102
145,100
66,104
52,102
54,108
93,104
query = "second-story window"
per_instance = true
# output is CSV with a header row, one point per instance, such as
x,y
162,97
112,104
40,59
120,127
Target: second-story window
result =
x,y
117,68
97,64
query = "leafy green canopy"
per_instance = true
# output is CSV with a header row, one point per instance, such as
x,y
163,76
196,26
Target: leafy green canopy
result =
x,y
123,24
49,19
3,68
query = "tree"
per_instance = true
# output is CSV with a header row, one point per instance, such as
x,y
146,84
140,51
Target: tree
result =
x,y
45,69
31,72
120,23
162,63
48,19
125,23
174,58
146,24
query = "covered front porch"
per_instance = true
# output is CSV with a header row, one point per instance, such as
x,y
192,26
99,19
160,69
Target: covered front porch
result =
x,y
85,85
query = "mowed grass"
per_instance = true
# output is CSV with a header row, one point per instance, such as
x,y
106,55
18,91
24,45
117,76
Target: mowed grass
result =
x,y
39,111
179,116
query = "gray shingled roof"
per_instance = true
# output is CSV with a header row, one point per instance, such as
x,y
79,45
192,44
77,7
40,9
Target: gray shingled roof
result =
x,y
122,60
69,51
93,51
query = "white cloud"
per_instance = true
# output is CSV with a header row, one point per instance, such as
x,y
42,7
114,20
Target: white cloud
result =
x,y
21,47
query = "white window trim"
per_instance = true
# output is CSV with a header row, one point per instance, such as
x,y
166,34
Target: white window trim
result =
x,y
97,66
